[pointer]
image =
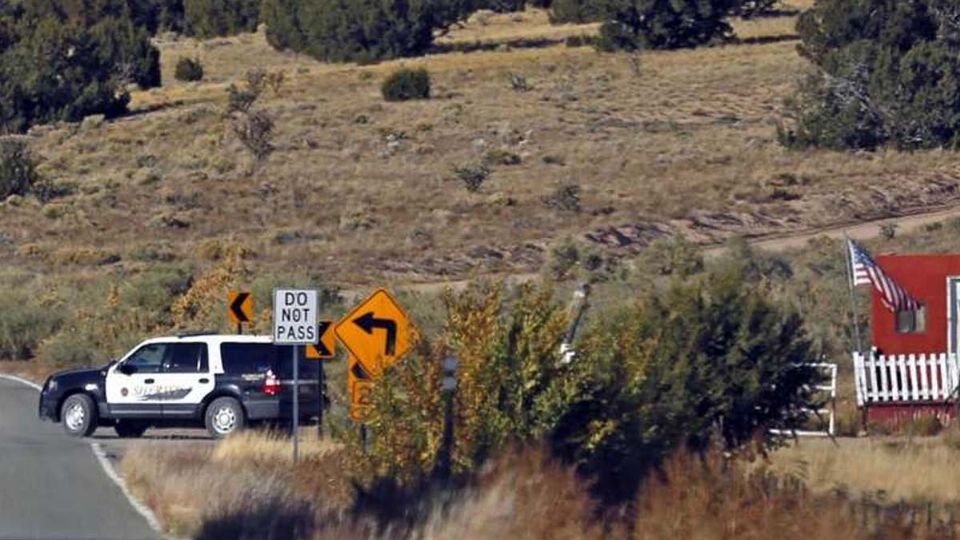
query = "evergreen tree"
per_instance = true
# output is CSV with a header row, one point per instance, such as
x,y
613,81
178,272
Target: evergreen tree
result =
x,y
888,72
63,60
365,30
663,24
575,11
282,18
209,18
700,364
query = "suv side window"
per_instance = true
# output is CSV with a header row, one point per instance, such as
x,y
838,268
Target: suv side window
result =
x,y
147,359
186,358
248,358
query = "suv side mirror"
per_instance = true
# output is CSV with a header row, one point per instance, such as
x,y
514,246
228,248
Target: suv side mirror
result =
x,y
127,369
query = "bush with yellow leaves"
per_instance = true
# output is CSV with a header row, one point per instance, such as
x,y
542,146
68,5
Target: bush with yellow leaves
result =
x,y
511,386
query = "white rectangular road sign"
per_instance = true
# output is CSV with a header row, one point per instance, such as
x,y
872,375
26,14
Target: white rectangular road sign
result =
x,y
295,317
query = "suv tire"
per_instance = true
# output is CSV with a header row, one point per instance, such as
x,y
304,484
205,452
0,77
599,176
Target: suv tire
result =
x,y
79,415
130,429
223,416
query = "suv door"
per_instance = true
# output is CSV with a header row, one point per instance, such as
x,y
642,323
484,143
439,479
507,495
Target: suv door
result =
x,y
132,389
185,379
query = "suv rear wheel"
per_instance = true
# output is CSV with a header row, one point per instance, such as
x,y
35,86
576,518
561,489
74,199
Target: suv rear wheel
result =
x,y
79,416
224,416
130,428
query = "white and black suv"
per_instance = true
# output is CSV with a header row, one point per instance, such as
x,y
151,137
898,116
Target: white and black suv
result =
x,y
218,381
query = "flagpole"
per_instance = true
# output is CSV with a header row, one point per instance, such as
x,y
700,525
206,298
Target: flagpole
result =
x,y
853,300
856,318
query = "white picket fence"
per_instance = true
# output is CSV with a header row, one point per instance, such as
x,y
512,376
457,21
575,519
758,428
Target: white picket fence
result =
x,y
905,378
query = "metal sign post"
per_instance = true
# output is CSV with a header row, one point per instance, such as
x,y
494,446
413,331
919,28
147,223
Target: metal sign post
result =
x,y
325,349
448,388
295,323
296,404
322,396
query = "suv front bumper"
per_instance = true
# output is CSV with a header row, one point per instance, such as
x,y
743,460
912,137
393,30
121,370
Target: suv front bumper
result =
x,y
47,406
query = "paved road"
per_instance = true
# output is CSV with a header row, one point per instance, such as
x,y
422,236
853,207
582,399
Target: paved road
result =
x,y
51,486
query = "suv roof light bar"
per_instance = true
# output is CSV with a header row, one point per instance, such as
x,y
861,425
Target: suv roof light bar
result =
x,y
192,333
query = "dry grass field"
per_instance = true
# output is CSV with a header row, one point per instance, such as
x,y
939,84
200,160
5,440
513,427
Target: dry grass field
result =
x,y
362,191
892,468
246,487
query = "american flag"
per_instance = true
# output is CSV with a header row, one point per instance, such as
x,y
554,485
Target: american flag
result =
x,y
866,271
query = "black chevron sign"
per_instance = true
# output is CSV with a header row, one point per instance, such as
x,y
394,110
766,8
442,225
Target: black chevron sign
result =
x,y
322,328
240,308
326,342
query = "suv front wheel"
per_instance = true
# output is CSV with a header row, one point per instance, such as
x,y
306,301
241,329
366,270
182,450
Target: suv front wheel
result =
x,y
224,416
79,416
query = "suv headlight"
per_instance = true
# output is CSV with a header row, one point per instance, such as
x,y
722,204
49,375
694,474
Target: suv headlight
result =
x,y
51,385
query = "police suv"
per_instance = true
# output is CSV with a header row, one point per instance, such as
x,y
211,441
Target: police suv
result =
x,y
219,381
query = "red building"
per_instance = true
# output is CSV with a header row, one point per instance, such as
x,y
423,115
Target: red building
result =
x,y
933,280
913,368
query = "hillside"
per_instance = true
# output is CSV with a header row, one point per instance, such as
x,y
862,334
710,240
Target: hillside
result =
x,y
360,190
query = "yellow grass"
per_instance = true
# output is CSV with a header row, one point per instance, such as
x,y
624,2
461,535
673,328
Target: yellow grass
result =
x,y
267,447
918,469
486,26
520,495
249,474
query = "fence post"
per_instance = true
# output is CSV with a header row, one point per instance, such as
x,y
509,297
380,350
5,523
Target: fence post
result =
x,y
924,378
934,382
884,376
905,381
871,365
914,378
859,377
893,393
945,388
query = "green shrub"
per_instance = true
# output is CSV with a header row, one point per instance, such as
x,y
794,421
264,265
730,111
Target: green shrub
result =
x,y
158,15
703,363
357,31
282,18
56,65
887,73
136,60
210,18
255,131
575,11
674,256
18,173
565,197
366,30
239,100
510,386
188,69
406,84
472,176
152,291
72,347
563,260
503,6
663,24
24,324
